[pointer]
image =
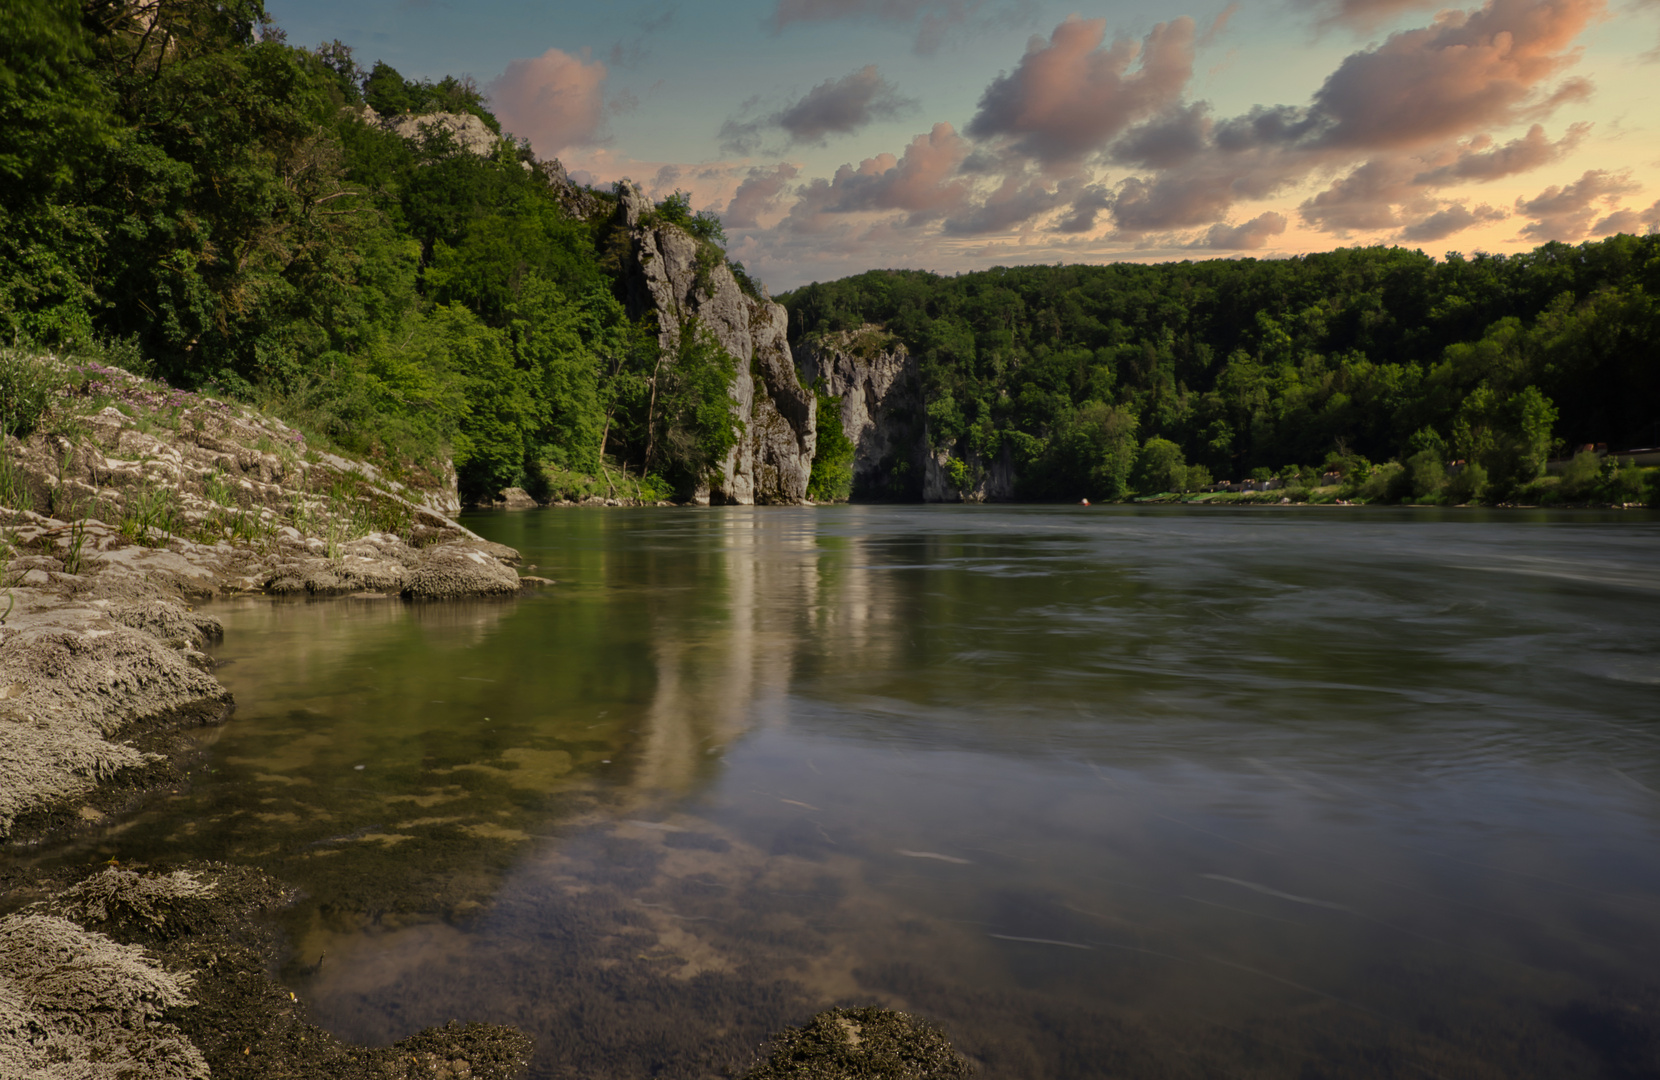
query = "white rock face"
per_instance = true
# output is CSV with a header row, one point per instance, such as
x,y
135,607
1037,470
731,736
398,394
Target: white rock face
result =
x,y
774,456
885,416
467,130
882,411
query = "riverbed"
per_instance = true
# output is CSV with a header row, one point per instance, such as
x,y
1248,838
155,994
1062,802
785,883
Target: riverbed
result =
x,y
1101,791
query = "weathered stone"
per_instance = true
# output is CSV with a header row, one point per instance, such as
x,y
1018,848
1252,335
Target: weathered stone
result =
x,y
516,498
774,455
450,571
885,416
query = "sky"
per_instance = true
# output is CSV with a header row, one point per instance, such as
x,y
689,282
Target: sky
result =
x,y
837,136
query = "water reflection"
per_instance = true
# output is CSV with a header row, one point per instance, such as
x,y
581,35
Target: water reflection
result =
x,y
1120,793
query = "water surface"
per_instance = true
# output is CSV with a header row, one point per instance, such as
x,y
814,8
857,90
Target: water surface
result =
x,y
1105,792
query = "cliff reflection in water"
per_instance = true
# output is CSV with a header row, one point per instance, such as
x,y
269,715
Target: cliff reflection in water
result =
x,y
1117,793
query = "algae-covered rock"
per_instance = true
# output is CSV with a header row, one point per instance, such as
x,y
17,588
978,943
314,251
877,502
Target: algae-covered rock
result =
x,y
75,1005
451,571
861,1044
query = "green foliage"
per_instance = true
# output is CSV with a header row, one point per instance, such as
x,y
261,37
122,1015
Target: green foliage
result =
x,y
1244,365
1426,474
832,477
1388,483
1509,435
1469,484
677,210
28,384
1581,474
1160,466
693,426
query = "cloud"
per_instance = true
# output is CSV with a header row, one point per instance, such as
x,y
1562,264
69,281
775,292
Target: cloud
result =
x,y
1567,212
1363,15
555,100
760,192
1365,199
922,183
1451,219
1069,96
1087,205
1178,136
935,20
1253,235
1466,72
1629,221
634,50
835,106
1478,162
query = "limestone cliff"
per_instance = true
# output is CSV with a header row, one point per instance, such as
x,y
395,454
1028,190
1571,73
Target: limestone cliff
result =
x,y
884,414
882,409
774,455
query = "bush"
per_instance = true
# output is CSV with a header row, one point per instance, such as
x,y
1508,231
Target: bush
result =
x,y
27,385
1581,474
832,476
1469,484
1159,467
1427,475
1389,482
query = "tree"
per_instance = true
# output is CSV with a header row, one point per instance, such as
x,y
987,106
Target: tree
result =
x,y
1160,466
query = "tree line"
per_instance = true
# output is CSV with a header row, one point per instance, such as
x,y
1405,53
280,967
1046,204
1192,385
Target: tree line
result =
x,y
1110,380
184,192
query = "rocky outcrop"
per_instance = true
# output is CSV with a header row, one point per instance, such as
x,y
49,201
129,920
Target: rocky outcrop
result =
x,y
466,130
161,499
471,135
882,410
670,283
884,415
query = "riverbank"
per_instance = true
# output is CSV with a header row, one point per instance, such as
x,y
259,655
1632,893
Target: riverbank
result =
x,y
126,507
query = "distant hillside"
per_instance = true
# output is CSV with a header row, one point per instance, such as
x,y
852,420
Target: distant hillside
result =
x,y
1295,366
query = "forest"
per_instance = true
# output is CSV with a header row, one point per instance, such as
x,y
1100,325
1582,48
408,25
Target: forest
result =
x,y
186,194
1113,380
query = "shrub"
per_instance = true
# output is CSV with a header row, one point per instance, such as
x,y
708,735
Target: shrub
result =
x,y
1581,474
1469,484
832,477
1427,475
27,385
1389,482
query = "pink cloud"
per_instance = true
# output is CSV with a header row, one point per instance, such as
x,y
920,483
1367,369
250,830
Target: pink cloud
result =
x,y
1567,212
1253,235
759,193
1465,72
1481,161
1449,220
1069,96
555,100
922,183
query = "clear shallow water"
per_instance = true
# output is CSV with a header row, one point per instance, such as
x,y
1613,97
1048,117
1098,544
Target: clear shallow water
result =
x,y
1102,792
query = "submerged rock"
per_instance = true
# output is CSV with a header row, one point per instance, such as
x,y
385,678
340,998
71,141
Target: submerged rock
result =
x,y
132,973
861,1044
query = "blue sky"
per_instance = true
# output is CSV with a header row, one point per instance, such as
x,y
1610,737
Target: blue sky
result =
x,y
839,135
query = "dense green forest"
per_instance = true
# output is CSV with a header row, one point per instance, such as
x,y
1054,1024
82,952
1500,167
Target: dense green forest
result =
x,y
1108,380
184,193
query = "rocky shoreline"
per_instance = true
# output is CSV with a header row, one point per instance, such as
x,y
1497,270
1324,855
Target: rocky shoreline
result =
x,y
119,518
129,509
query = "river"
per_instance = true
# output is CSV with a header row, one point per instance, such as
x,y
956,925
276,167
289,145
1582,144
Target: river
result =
x,y
1103,792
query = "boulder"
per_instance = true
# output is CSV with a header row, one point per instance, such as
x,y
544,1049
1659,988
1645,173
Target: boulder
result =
x,y
451,571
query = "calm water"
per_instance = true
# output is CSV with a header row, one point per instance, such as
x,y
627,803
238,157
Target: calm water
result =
x,y
1102,792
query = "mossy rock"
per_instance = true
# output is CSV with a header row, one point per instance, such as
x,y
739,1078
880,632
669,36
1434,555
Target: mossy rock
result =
x,y
861,1044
